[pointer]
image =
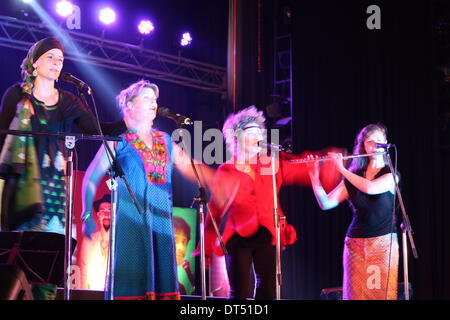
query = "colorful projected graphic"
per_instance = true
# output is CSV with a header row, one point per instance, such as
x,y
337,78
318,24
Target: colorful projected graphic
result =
x,y
185,228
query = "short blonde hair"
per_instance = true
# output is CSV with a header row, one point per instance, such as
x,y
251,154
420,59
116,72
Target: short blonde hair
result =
x,y
128,94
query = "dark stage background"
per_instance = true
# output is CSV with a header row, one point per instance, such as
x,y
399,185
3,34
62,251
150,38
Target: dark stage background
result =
x,y
344,76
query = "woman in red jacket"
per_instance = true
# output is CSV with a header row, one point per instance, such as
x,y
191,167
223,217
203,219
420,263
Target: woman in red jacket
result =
x,y
243,193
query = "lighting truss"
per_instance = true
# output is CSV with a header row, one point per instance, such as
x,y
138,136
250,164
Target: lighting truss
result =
x,y
119,56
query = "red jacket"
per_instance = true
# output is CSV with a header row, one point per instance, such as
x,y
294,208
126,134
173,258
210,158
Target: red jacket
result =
x,y
252,206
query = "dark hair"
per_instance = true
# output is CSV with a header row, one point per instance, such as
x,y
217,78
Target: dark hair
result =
x,y
361,163
105,198
181,224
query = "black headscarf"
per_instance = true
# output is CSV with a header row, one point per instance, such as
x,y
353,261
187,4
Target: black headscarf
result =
x,y
44,45
34,53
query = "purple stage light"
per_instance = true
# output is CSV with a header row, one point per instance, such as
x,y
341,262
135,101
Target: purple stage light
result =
x,y
186,39
64,8
107,15
145,27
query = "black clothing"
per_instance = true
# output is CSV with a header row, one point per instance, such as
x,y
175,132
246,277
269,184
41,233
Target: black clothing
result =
x,y
69,110
242,252
372,214
50,152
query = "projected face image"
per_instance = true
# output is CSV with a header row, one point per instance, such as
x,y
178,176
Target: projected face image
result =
x,y
182,237
104,215
181,242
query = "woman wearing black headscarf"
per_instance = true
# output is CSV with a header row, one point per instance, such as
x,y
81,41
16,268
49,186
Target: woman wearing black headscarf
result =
x,y
33,197
33,167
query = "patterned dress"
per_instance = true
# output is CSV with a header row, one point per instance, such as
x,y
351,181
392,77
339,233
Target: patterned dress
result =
x,y
34,194
145,248
34,167
371,251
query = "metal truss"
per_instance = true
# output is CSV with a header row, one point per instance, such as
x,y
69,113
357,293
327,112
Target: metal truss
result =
x,y
119,56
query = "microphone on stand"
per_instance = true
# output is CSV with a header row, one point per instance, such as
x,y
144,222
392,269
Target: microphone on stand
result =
x,y
178,118
384,145
67,77
267,145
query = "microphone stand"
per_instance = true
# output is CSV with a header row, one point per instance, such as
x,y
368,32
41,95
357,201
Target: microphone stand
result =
x,y
70,145
202,199
70,140
112,185
276,219
115,171
406,230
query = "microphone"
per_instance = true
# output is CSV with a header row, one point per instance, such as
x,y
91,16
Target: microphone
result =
x,y
384,145
67,77
178,118
274,146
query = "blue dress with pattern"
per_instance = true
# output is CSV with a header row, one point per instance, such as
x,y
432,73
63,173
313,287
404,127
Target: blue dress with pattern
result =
x,y
145,249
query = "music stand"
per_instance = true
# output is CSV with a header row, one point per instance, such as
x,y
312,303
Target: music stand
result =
x,y
70,140
39,254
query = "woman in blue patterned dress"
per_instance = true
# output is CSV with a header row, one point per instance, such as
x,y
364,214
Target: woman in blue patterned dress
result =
x,y
145,265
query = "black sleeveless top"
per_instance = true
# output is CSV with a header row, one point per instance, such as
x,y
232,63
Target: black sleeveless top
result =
x,y
372,214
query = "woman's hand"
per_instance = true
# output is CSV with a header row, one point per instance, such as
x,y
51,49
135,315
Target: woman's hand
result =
x,y
338,160
313,166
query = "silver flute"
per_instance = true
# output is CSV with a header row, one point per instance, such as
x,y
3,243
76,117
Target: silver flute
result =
x,y
325,158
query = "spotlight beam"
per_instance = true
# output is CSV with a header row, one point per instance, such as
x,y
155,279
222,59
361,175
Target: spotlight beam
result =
x,y
120,56
69,45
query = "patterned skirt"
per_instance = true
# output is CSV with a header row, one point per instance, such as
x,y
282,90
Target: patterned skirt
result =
x,y
371,268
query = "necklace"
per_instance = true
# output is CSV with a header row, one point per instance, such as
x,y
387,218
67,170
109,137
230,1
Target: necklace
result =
x,y
247,169
43,105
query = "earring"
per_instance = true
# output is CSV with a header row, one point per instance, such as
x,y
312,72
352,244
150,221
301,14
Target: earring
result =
x,y
35,73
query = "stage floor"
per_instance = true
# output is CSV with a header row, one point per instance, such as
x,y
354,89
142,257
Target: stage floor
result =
x,y
78,294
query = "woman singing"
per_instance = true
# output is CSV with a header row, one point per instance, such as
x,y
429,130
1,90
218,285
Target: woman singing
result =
x,y
146,265
32,168
244,193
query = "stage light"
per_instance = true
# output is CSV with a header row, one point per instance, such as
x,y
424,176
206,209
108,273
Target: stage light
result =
x,y
107,16
27,1
145,27
64,8
186,39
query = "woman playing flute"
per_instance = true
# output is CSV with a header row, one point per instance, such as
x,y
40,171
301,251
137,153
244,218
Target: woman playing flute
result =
x,y
371,247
